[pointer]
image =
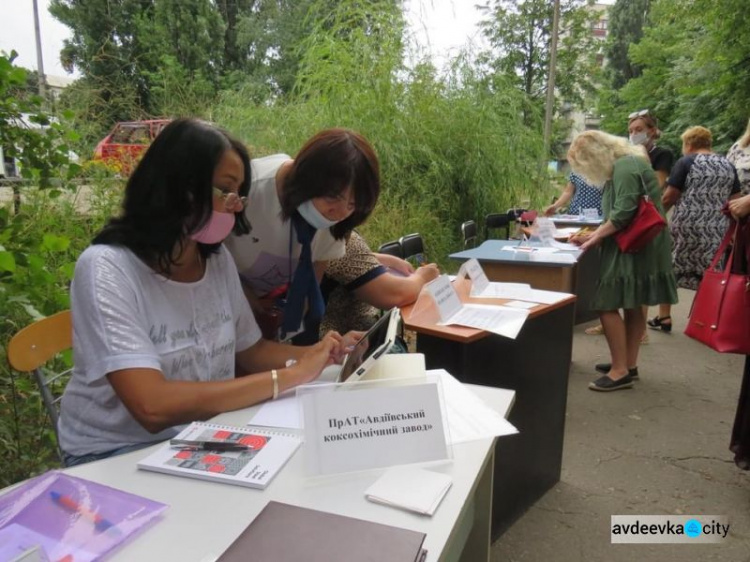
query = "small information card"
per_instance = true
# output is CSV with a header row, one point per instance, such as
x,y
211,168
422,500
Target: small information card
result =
x,y
375,426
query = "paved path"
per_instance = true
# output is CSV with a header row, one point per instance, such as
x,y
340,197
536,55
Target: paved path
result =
x,y
660,448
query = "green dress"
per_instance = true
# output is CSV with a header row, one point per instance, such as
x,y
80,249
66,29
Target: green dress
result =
x,y
632,280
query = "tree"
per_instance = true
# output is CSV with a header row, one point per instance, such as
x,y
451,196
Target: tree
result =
x,y
695,70
519,33
627,18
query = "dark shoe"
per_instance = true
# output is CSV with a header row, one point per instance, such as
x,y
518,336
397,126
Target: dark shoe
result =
x,y
605,367
657,323
606,384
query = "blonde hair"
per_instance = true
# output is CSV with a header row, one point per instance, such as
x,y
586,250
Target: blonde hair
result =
x,y
593,154
745,139
697,137
650,122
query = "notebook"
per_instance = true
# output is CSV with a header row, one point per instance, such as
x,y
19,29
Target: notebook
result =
x,y
376,342
288,533
268,452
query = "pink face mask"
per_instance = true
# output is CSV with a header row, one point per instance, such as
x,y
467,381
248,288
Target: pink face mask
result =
x,y
216,229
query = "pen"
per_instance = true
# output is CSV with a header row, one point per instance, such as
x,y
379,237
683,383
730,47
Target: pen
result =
x,y
100,523
218,446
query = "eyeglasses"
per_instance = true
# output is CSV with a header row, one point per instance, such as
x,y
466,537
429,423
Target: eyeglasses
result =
x,y
233,203
641,113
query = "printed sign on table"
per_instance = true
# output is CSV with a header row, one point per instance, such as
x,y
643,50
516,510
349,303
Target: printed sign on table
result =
x,y
374,426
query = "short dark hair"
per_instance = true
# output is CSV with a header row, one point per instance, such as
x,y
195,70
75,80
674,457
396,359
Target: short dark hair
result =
x,y
327,164
170,192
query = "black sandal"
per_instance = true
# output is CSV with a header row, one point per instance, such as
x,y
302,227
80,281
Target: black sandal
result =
x,y
658,323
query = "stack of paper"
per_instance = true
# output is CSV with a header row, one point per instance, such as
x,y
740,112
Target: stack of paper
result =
x,y
413,489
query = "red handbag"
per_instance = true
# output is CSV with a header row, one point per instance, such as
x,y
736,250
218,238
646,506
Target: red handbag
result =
x,y
644,227
720,315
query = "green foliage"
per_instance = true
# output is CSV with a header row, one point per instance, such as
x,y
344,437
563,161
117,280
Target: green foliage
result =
x,y
695,70
625,27
450,150
39,244
519,33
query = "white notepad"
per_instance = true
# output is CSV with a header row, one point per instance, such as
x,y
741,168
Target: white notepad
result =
x,y
410,488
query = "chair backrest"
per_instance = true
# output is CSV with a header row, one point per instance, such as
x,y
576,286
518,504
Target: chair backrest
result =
x,y
413,247
497,220
32,347
392,248
469,233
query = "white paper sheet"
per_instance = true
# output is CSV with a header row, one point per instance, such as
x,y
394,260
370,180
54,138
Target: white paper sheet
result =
x,y
521,304
559,257
496,290
411,488
282,412
565,246
547,297
496,319
469,417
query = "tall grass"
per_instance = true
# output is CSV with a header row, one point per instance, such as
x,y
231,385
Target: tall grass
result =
x,y
451,148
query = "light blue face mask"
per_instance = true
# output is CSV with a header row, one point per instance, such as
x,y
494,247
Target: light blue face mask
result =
x,y
314,217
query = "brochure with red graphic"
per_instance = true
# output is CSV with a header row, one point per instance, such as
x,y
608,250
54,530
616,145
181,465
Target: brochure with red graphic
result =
x,y
246,456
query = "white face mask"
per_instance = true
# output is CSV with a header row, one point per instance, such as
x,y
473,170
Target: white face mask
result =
x,y
639,138
314,217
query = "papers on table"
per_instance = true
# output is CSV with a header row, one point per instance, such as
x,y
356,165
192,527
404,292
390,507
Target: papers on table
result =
x,y
565,246
565,232
468,417
490,290
499,320
519,292
521,304
410,488
577,218
282,412
496,319
562,257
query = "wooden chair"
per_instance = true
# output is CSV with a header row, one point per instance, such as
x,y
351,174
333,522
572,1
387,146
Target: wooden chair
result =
x,y
413,247
469,233
497,221
35,345
392,248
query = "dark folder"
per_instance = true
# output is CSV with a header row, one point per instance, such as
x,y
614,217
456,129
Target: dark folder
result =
x,y
288,533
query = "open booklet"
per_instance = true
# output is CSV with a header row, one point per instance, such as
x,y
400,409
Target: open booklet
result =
x,y
262,453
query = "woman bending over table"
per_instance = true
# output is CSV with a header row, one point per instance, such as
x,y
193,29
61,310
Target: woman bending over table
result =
x,y
626,281
162,333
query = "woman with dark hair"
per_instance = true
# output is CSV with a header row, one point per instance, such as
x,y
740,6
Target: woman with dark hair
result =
x,y
162,333
300,211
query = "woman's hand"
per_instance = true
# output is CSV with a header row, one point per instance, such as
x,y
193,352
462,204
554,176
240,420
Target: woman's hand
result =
x,y
592,242
428,272
316,358
549,211
397,264
346,344
581,237
740,207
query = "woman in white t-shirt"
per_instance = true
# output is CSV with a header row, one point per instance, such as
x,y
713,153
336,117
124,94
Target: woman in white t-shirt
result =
x,y
162,333
328,189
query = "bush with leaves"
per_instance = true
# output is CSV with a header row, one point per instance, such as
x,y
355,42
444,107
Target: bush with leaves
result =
x,y
40,240
451,149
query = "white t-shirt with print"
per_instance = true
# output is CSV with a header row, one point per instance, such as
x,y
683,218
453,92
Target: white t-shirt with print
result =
x,y
127,316
262,257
